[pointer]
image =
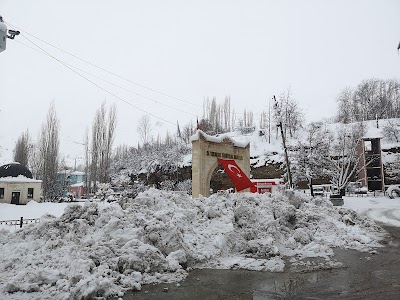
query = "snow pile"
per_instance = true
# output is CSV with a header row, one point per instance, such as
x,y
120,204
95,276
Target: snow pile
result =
x,y
101,251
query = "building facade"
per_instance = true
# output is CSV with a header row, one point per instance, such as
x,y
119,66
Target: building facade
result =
x,y
370,164
17,185
72,182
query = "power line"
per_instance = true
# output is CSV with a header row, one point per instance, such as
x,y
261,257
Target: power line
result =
x,y
100,87
114,74
103,69
109,82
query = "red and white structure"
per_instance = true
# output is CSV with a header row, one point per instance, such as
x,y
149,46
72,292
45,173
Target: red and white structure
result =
x,y
262,186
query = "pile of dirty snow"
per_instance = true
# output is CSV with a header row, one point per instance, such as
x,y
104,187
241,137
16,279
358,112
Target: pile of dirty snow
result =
x,y
102,251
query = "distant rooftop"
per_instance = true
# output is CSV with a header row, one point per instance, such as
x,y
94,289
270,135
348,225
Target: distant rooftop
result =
x,y
14,169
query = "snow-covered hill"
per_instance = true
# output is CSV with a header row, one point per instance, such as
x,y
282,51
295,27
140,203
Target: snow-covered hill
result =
x,y
262,151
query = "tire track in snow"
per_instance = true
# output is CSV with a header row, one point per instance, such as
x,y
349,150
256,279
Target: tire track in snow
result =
x,y
390,216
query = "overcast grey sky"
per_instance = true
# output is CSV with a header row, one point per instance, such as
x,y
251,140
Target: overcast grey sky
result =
x,y
249,50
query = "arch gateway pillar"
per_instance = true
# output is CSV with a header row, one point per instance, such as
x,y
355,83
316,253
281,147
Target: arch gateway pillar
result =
x,y
206,150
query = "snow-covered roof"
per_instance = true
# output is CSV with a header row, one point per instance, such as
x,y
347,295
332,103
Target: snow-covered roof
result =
x,y
70,172
14,169
274,180
217,139
373,133
79,184
19,179
78,173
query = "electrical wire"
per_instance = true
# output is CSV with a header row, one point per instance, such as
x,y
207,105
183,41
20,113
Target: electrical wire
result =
x,y
114,74
98,86
109,82
103,69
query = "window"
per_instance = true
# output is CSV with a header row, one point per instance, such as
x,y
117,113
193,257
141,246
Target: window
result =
x,y
30,193
1,193
367,145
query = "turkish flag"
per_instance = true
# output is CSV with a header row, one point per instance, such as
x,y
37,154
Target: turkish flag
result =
x,y
239,179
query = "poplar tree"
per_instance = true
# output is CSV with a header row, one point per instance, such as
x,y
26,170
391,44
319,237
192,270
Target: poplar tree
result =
x,y
21,150
48,154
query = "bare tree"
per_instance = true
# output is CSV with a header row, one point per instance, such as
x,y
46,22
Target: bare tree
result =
x,y
187,131
108,140
96,144
343,161
219,116
233,122
346,108
48,147
226,110
371,99
21,150
310,155
34,160
248,118
168,141
87,161
103,134
206,126
265,122
122,152
144,129
289,113
392,131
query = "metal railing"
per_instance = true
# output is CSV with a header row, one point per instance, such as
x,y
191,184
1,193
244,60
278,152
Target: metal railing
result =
x,y
19,222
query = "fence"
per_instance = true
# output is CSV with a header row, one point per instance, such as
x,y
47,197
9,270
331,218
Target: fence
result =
x,y
19,222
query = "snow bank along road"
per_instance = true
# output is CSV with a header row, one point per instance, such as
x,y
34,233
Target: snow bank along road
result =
x,y
104,250
380,209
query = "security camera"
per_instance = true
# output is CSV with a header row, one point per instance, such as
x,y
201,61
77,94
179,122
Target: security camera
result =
x,y
12,33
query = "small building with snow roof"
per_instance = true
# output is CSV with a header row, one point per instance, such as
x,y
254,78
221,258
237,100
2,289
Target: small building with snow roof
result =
x,y
72,182
370,164
17,185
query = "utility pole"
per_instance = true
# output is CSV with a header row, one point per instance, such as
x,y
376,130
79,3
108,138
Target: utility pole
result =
x,y
269,122
284,148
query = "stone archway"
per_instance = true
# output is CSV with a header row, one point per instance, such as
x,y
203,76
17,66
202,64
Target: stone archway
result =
x,y
205,151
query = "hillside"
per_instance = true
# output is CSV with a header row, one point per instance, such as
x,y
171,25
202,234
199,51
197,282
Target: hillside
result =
x,y
154,165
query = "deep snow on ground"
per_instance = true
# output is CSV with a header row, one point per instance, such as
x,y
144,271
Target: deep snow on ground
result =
x,y
103,250
380,209
31,210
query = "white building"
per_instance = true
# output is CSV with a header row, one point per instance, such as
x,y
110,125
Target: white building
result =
x,y
17,185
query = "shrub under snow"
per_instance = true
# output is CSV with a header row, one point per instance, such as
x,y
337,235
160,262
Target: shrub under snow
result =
x,y
102,250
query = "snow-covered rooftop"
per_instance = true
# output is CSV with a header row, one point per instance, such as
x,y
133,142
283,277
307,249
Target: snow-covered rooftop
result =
x,y
372,131
77,173
71,172
274,180
217,139
19,179
79,184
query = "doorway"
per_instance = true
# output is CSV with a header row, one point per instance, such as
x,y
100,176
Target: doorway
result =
x,y
15,197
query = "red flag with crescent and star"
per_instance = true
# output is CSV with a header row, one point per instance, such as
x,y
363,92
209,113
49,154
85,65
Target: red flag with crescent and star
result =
x,y
239,179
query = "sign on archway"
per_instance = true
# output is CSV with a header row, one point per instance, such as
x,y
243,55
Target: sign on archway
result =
x,y
206,150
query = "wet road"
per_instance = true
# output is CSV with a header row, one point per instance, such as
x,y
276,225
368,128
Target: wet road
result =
x,y
363,276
